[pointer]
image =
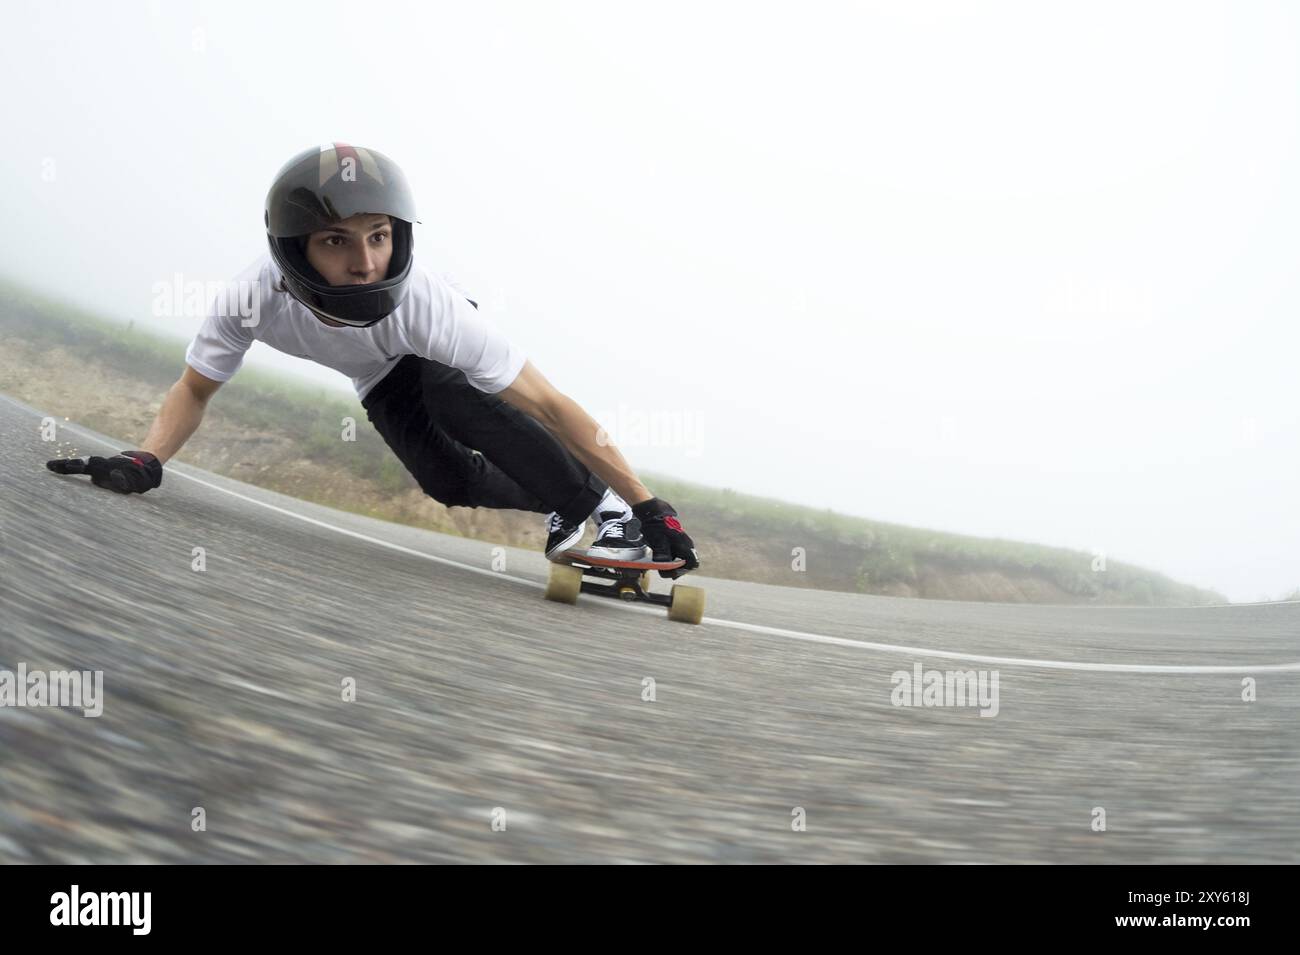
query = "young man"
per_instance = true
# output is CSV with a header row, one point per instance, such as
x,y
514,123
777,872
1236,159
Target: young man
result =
x,y
471,418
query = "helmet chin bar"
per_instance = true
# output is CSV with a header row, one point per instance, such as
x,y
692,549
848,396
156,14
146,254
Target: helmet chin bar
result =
x,y
312,304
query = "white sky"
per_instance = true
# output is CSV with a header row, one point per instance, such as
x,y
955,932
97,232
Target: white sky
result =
x,y
1015,270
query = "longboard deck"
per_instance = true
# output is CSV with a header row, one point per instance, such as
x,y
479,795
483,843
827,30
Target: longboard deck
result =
x,y
579,558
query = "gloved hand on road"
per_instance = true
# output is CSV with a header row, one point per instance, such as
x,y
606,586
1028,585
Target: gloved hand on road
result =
x,y
131,472
664,534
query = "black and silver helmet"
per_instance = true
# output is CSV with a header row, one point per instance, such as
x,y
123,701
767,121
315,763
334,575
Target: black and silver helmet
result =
x,y
320,187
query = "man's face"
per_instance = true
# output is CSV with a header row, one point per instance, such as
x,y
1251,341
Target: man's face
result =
x,y
354,251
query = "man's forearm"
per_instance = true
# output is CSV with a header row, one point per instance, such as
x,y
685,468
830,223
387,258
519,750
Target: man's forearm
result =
x,y
583,436
177,419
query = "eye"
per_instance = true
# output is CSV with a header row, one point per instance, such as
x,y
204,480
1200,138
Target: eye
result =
x,y
381,236
329,240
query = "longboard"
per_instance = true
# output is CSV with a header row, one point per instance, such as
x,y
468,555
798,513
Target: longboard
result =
x,y
624,580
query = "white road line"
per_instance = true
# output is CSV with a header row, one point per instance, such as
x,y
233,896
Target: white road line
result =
x,y
750,627
1004,661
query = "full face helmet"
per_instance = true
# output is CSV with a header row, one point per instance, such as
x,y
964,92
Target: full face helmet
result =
x,y
320,187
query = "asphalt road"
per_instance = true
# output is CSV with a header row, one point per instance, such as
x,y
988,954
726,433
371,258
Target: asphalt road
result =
x,y
476,700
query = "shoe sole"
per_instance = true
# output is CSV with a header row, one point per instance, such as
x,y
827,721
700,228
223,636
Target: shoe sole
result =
x,y
629,554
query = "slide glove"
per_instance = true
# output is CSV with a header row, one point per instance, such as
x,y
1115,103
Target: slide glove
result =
x,y
131,472
664,534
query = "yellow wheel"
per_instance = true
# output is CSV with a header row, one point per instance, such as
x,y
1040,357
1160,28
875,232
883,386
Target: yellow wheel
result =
x,y
564,585
645,581
687,605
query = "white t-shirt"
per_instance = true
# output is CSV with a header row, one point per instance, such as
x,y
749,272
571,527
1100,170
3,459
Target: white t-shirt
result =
x,y
435,321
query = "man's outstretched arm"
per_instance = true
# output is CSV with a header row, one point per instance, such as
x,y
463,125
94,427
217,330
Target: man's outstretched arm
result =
x,y
180,415
134,472
536,397
532,394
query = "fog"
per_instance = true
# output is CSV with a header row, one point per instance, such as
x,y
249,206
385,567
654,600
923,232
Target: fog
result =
x,y
1013,270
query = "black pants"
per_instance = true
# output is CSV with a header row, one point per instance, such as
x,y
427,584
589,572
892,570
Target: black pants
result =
x,y
434,420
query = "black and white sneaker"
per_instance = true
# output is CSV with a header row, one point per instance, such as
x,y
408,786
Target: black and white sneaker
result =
x,y
619,537
561,536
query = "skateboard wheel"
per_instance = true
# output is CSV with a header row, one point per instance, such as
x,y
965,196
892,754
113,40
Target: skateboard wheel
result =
x,y
644,581
687,604
627,593
564,584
